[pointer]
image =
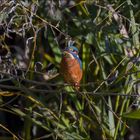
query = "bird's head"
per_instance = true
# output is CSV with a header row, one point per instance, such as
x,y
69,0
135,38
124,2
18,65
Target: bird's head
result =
x,y
72,49
71,52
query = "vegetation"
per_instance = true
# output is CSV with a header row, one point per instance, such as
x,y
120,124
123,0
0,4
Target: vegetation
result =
x,y
35,103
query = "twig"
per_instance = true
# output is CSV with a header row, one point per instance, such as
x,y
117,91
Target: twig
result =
x,y
110,74
14,136
45,21
47,84
118,19
24,90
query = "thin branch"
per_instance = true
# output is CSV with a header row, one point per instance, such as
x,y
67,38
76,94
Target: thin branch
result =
x,y
110,74
24,90
45,21
5,128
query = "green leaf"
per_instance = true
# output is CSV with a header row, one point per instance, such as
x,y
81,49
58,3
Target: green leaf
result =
x,y
111,118
132,115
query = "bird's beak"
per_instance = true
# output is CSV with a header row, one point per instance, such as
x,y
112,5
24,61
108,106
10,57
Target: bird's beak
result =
x,y
68,54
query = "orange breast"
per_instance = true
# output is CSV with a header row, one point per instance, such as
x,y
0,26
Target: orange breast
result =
x,y
71,71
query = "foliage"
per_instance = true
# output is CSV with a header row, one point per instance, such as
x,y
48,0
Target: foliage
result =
x,y
34,101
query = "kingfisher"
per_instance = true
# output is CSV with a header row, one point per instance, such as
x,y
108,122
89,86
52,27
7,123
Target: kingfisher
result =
x,y
71,66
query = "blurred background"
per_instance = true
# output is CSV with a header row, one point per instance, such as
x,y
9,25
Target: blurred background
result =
x,y
35,103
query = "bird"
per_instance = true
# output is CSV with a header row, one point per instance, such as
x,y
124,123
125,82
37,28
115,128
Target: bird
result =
x,y
71,66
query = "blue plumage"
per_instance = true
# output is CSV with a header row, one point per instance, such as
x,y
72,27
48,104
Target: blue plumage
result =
x,y
72,50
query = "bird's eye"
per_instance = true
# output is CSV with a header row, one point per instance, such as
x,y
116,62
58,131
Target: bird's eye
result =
x,y
74,51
